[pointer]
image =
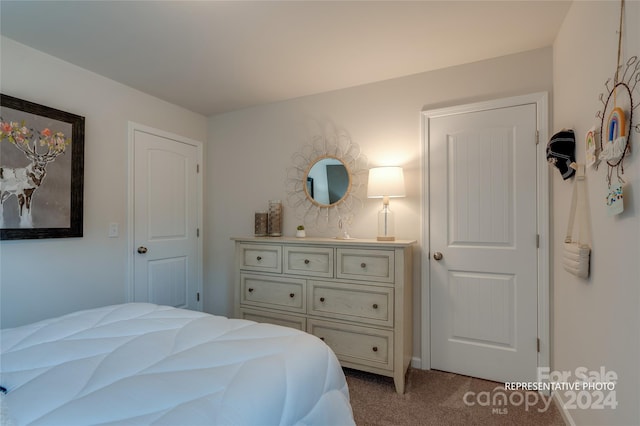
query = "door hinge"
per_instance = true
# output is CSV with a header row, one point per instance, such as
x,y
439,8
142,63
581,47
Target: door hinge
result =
x,y
197,168
198,232
538,344
198,299
537,137
537,240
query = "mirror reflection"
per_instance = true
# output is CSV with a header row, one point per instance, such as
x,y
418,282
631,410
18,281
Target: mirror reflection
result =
x,y
327,181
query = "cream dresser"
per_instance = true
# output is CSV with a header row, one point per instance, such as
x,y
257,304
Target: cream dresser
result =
x,y
353,294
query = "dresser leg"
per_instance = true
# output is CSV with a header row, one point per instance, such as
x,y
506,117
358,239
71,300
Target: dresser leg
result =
x,y
398,380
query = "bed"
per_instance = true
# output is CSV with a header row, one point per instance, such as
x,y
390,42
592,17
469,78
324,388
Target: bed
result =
x,y
138,364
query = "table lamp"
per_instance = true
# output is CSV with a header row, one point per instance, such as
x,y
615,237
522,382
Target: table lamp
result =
x,y
385,183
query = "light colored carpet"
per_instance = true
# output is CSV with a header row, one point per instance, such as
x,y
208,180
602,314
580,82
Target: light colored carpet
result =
x,y
438,398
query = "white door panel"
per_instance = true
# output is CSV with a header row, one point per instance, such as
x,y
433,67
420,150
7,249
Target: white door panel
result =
x,y
483,222
480,167
165,211
167,281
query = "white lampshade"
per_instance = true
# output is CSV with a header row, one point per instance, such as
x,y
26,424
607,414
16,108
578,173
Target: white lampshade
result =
x,y
385,182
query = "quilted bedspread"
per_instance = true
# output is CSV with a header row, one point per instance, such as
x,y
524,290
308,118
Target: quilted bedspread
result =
x,y
136,364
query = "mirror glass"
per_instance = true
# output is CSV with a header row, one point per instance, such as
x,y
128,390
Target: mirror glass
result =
x,y
328,181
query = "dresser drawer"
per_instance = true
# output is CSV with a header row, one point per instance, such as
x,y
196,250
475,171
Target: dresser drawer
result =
x,y
260,257
273,292
270,317
356,345
353,302
310,261
368,265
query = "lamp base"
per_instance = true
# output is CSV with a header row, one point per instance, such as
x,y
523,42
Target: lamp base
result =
x,y
385,222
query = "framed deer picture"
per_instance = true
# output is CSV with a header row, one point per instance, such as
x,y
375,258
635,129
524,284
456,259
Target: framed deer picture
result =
x,y
41,171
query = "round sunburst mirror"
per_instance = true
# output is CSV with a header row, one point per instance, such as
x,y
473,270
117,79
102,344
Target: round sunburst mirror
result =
x,y
323,183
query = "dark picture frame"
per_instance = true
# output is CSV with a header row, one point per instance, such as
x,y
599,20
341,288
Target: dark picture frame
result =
x,y
54,179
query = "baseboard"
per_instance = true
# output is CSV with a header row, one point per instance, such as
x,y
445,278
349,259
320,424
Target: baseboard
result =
x,y
568,420
416,363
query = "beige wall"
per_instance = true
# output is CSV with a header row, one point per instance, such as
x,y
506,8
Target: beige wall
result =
x,y
45,278
596,321
250,150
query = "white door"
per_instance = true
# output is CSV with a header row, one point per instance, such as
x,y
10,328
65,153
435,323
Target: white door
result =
x,y
483,250
166,205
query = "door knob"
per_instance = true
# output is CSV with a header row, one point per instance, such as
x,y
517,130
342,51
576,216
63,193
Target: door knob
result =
x,y
142,250
437,255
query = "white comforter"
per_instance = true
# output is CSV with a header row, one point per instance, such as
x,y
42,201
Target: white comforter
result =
x,y
140,364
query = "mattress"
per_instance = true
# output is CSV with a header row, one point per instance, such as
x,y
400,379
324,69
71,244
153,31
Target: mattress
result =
x,y
137,364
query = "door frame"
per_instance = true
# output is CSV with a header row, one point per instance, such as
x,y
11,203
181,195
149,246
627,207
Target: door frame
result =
x,y
541,99
133,127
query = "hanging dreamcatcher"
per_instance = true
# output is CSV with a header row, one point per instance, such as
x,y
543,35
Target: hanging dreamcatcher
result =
x,y
616,121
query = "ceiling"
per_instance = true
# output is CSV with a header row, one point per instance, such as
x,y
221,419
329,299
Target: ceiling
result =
x,y
213,57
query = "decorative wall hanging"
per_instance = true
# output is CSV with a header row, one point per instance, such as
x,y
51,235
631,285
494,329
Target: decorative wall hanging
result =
x,y
41,174
592,150
336,169
615,199
616,115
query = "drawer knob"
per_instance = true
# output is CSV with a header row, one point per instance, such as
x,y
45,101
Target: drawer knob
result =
x,y
259,258
375,306
250,290
375,349
363,265
322,299
306,261
292,295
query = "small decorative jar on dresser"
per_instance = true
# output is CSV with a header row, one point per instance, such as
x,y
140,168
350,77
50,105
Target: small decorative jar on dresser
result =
x,y
355,295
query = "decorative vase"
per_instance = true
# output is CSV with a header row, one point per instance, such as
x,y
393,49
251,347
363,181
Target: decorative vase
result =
x,y
261,224
300,233
275,218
